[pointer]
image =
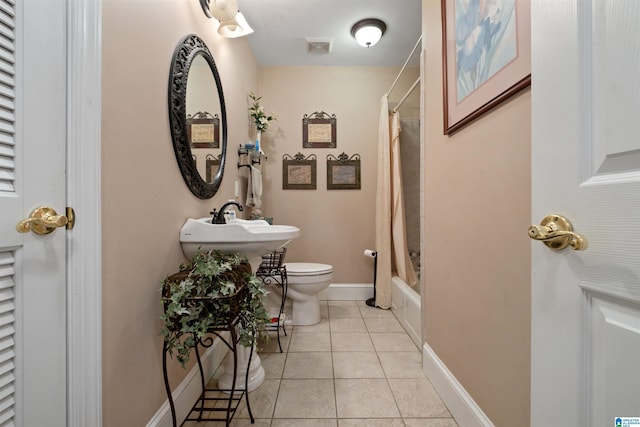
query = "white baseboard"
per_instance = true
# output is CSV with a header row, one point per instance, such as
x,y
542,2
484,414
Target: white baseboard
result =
x,y
347,292
188,391
461,405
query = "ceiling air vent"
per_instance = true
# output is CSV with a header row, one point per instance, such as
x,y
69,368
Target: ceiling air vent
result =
x,y
319,46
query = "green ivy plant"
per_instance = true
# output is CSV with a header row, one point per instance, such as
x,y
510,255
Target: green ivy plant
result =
x,y
201,296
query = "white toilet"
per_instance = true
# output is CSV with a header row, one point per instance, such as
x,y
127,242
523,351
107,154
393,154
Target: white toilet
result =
x,y
305,280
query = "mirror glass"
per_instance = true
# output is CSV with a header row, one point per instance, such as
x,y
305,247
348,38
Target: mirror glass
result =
x,y
203,118
197,117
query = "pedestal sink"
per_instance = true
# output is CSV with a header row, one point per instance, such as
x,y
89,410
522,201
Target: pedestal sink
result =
x,y
251,239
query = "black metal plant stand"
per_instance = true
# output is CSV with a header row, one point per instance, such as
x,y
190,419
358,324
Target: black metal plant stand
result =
x,y
213,395
215,404
273,272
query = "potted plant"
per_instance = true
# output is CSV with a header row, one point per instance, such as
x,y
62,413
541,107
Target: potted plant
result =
x,y
208,293
260,118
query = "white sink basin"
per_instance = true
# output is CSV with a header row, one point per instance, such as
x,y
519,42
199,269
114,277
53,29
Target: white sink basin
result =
x,y
248,238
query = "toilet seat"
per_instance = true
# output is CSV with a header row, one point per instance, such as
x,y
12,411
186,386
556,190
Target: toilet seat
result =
x,y
307,269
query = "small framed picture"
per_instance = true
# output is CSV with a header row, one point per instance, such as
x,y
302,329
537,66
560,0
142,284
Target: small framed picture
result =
x,y
343,172
212,164
298,172
319,130
203,130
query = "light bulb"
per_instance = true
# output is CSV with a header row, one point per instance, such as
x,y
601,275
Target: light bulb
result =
x,y
368,36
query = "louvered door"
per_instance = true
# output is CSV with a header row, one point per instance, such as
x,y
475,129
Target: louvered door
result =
x,y
32,173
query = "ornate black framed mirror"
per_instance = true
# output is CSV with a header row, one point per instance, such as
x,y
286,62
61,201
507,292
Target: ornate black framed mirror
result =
x,y
195,90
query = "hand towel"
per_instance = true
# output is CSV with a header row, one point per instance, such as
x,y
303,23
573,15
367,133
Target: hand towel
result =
x,y
249,199
256,185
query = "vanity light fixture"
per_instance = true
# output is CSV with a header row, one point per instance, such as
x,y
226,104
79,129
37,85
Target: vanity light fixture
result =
x,y
232,22
368,32
237,27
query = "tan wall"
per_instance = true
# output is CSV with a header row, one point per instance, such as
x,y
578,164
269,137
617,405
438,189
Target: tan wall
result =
x,y
337,225
144,199
476,296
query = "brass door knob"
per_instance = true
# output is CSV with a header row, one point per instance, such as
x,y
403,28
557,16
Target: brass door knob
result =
x,y
556,232
43,220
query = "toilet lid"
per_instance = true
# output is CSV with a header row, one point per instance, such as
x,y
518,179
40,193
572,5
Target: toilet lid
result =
x,y
307,268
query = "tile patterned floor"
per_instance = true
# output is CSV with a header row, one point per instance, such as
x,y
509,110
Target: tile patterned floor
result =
x,y
356,368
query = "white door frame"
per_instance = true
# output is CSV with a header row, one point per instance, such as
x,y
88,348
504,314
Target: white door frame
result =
x,y
84,257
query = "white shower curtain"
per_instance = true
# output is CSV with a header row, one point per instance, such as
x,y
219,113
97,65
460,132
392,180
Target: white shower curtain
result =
x,y
383,210
403,265
391,238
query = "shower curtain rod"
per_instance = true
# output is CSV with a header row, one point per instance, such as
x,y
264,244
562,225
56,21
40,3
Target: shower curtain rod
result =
x,y
405,65
406,95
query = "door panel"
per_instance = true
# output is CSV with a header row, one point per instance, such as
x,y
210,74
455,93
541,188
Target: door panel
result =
x,y
615,343
7,332
611,89
615,88
586,167
10,207
32,173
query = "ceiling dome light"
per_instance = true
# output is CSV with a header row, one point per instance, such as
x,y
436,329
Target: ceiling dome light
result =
x,y
368,32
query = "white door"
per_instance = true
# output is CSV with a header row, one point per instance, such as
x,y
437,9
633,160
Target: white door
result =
x,y
32,173
586,167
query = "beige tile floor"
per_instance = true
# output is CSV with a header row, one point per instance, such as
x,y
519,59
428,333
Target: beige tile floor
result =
x,y
356,368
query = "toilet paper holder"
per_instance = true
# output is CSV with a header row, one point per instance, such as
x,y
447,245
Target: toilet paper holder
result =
x,y
371,302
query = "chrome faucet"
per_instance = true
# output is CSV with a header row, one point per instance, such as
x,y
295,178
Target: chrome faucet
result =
x,y
218,216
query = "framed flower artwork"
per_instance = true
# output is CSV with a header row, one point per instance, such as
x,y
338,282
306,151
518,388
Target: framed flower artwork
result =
x,y
486,56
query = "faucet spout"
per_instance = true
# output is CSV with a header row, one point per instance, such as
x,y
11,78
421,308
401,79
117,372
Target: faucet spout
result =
x,y
218,216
